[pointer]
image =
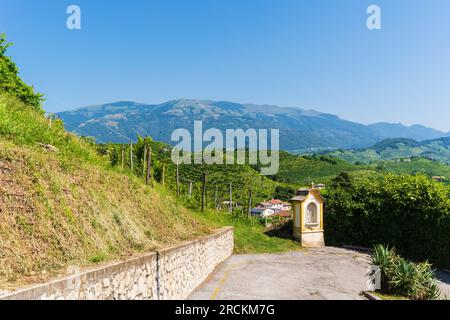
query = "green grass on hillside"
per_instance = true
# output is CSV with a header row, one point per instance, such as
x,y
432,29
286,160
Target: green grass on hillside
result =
x,y
23,125
52,217
70,207
250,235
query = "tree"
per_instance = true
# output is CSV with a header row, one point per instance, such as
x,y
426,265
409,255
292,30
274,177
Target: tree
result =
x,y
10,82
343,180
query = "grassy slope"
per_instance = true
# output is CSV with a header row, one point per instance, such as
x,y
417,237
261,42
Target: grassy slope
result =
x,y
70,207
250,235
73,208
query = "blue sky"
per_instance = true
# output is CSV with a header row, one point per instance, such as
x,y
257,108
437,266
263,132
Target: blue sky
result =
x,y
310,54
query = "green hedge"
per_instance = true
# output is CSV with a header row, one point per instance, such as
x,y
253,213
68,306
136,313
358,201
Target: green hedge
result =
x,y
411,213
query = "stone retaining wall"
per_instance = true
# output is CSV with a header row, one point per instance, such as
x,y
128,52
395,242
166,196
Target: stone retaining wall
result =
x,y
172,273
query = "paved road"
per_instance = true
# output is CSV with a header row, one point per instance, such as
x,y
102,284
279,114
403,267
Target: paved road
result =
x,y
313,274
326,273
444,284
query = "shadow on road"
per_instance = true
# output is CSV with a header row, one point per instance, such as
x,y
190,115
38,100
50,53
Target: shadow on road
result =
x,y
284,231
443,277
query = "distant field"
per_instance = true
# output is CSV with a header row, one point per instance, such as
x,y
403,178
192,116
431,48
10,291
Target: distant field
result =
x,y
400,148
318,169
423,166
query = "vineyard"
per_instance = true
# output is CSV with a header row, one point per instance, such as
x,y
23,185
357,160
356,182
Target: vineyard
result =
x,y
224,186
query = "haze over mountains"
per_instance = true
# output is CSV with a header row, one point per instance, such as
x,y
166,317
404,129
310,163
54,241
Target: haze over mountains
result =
x,y
300,129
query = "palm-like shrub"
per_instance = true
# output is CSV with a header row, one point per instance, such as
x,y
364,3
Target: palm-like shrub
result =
x,y
426,286
384,258
404,278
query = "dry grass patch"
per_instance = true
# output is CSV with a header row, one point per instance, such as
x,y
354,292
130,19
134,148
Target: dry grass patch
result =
x,y
52,216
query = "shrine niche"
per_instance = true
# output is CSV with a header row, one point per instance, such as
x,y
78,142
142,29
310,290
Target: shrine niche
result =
x,y
307,206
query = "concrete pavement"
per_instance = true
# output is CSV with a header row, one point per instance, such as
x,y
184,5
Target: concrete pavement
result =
x,y
309,274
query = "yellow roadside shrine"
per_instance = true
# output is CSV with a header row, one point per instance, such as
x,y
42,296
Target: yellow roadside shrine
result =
x,y
307,207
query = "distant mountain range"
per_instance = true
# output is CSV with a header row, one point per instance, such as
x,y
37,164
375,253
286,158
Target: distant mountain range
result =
x,y
399,148
300,130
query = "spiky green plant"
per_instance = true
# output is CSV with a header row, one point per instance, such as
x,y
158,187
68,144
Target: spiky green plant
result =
x,y
384,258
426,286
404,278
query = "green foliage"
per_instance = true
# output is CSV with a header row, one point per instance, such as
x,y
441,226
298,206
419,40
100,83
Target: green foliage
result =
x,y
404,278
10,82
343,180
410,212
99,257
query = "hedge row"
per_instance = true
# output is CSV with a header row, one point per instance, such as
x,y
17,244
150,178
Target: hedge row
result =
x,y
411,213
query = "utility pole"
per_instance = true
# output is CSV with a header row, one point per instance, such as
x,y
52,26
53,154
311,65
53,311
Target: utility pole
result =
x,y
250,203
148,179
178,180
231,197
163,178
204,191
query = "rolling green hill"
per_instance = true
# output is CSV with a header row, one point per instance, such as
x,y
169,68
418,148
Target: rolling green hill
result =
x,y
391,149
415,166
305,170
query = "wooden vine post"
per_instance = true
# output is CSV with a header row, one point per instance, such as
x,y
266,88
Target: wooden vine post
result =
x,y
204,191
149,177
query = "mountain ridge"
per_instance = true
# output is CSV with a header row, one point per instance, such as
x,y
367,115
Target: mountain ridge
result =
x,y
300,129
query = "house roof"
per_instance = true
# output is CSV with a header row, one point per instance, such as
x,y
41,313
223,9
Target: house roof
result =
x,y
276,201
265,204
285,214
